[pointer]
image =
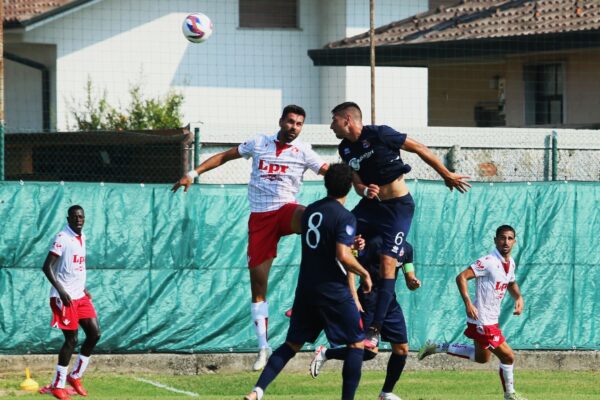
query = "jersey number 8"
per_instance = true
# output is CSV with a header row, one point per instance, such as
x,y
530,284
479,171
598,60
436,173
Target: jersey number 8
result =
x,y
313,230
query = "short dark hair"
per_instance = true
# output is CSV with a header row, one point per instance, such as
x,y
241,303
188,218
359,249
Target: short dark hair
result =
x,y
338,180
74,208
504,228
344,106
292,108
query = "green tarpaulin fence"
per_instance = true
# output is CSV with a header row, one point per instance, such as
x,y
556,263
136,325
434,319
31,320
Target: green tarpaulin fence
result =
x,y
168,271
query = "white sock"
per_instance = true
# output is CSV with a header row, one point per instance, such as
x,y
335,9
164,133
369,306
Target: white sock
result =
x,y
441,347
506,376
60,377
80,366
259,392
461,350
260,317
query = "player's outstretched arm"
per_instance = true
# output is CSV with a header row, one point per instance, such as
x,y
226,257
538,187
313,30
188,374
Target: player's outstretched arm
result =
x,y
462,283
211,163
48,269
452,180
515,292
344,255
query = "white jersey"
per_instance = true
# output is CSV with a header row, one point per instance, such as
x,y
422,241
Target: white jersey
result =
x,y
70,268
277,170
493,275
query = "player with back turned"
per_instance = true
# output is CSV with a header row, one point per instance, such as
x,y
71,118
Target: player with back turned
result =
x,y
323,298
393,328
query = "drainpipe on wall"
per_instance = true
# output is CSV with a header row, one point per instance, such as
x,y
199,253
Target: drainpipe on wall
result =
x,y
45,84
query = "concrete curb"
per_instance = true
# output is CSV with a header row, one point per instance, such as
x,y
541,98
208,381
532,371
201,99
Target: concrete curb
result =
x,y
194,364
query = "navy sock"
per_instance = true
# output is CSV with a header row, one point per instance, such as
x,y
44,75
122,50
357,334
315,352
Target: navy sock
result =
x,y
338,353
351,373
277,361
385,295
395,367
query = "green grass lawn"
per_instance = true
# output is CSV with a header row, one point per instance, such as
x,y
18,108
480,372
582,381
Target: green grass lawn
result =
x,y
439,385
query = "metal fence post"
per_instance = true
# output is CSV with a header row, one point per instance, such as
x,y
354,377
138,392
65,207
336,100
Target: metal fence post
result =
x,y
554,154
197,147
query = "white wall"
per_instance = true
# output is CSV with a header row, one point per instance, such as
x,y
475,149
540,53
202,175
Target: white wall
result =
x,y
238,75
400,93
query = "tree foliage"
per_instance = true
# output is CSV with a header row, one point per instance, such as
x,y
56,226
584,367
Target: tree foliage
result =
x,y
140,114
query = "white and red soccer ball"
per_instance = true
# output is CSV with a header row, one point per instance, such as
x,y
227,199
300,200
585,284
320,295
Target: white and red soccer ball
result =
x,y
197,27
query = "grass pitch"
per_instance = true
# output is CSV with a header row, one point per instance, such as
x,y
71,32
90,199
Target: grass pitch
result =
x,y
438,385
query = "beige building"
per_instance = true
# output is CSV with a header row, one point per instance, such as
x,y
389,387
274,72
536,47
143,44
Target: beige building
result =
x,y
519,63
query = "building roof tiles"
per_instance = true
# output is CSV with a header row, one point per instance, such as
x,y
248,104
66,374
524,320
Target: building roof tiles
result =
x,y
483,19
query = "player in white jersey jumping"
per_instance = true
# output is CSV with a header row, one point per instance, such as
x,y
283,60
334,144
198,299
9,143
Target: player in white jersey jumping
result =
x,y
494,274
278,165
71,303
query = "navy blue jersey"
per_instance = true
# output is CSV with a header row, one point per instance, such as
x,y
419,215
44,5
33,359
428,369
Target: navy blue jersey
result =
x,y
322,279
370,257
375,156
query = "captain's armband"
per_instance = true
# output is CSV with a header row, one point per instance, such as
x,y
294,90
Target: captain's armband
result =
x,y
408,267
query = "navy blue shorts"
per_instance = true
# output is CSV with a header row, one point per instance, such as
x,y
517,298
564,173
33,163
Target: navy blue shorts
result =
x,y
393,329
341,322
390,219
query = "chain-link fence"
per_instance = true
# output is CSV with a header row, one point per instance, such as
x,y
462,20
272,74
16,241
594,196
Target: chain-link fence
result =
x,y
485,84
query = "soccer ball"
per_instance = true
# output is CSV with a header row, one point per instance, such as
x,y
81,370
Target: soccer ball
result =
x,y
197,27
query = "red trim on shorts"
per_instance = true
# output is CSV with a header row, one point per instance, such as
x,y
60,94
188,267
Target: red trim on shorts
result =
x,y
487,336
264,231
67,317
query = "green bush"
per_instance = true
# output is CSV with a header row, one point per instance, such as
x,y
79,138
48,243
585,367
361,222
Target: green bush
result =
x,y
141,114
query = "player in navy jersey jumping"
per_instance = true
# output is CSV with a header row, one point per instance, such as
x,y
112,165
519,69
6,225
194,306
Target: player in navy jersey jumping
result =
x,y
323,298
387,208
393,328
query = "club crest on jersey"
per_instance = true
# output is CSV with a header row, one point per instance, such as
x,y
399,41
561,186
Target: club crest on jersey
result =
x,y
346,150
349,230
366,144
355,162
272,168
479,265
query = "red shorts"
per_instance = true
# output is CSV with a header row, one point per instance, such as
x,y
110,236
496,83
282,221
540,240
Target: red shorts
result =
x,y
67,317
264,231
488,336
